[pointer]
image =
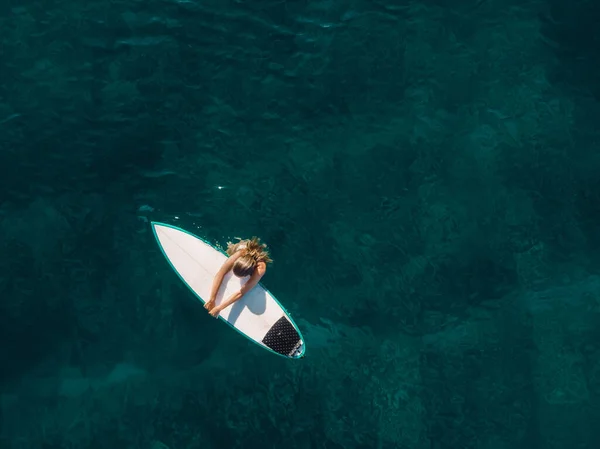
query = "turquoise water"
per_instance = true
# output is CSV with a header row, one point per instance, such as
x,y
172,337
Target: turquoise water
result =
x,y
424,173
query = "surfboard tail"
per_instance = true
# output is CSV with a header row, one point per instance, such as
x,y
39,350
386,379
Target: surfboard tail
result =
x,y
283,338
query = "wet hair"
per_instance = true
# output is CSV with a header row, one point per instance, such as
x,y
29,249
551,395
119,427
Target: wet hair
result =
x,y
254,252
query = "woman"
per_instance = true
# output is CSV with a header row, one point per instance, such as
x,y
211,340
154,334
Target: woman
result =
x,y
246,258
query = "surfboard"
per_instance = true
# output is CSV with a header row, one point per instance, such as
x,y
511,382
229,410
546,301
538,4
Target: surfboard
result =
x,y
258,315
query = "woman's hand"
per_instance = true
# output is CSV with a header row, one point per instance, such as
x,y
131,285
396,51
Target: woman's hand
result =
x,y
210,304
215,312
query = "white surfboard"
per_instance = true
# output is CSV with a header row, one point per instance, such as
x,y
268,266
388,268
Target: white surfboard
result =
x,y
257,315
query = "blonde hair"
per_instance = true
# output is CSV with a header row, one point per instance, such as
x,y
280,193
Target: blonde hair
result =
x,y
254,252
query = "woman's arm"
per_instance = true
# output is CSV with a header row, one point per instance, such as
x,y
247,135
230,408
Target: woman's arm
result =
x,y
254,279
218,280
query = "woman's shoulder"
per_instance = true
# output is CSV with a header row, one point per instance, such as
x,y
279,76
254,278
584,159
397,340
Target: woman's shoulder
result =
x,y
261,267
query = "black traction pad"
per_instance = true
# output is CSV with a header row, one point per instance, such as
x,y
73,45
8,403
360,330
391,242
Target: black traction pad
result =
x,y
283,337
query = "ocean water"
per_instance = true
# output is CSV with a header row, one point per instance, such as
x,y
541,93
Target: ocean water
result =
x,y
425,173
